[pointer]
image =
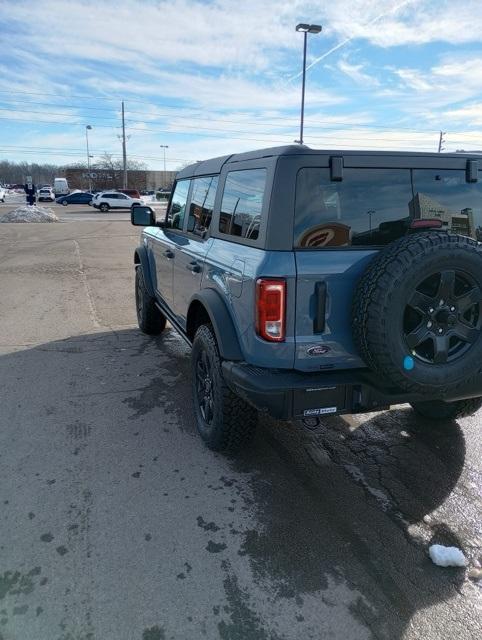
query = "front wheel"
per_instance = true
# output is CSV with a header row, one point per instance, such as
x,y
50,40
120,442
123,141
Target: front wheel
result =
x,y
64,203
440,410
149,318
225,422
104,207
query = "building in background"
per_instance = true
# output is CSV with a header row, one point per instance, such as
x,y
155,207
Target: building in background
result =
x,y
142,180
421,206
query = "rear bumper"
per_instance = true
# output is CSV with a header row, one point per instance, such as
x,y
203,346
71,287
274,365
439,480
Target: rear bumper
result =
x,y
294,394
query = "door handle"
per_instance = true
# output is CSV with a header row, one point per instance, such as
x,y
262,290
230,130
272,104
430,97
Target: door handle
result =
x,y
168,254
194,267
320,313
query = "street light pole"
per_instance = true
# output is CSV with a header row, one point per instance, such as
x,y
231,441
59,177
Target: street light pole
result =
x,y
164,147
87,129
305,29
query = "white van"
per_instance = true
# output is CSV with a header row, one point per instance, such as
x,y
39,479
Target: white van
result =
x,y
61,187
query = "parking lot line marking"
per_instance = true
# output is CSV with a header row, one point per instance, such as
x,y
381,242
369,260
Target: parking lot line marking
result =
x,y
83,275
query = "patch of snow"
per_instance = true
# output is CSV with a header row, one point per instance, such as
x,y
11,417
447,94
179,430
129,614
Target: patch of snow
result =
x,y
29,214
447,556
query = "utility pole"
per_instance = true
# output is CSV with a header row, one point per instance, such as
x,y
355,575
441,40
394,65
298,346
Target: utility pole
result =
x,y
441,141
124,154
87,129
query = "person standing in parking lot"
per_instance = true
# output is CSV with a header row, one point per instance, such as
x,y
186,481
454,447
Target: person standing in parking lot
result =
x,y
29,188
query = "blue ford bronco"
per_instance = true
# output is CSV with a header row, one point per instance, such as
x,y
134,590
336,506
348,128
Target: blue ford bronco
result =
x,y
314,283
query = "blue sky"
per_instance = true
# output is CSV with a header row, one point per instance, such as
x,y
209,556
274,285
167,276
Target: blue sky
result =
x,y
210,78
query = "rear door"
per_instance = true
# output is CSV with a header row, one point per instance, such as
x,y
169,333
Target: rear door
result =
x,y
338,227
110,199
122,201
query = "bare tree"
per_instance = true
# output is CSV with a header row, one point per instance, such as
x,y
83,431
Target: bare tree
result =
x,y
16,172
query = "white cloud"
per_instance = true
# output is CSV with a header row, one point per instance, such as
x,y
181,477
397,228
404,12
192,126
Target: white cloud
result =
x,y
417,22
218,91
429,91
470,114
219,34
357,74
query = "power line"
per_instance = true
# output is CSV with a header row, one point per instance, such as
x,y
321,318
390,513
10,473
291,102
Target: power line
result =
x,y
178,106
74,150
79,155
51,113
187,126
197,127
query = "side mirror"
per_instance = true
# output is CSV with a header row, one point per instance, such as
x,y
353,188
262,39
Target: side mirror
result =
x,y
142,216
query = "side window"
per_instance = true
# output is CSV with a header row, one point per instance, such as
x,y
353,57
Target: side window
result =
x,y
445,194
109,195
121,196
368,207
177,211
202,204
243,203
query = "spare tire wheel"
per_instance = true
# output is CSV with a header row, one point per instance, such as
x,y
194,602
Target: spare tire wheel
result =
x,y
417,313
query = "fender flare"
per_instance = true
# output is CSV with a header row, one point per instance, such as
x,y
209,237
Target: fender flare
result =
x,y
141,258
222,322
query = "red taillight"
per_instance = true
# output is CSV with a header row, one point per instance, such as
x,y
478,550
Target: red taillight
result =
x,y
270,309
426,223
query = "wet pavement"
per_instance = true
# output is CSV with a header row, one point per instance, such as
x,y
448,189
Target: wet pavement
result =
x,y
118,523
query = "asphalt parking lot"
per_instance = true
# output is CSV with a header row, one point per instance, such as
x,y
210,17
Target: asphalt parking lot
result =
x,y
80,213
117,523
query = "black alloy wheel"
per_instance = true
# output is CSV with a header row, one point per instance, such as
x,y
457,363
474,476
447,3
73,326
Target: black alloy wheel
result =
x,y
224,420
443,317
204,387
151,321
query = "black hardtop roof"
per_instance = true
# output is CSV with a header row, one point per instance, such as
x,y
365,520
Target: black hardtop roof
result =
x,y
214,165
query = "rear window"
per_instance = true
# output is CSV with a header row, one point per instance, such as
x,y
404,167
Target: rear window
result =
x,y
368,207
202,205
446,195
242,203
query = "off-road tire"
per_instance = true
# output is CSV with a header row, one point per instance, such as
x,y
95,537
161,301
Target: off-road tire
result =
x,y
233,420
440,410
381,298
149,318
104,207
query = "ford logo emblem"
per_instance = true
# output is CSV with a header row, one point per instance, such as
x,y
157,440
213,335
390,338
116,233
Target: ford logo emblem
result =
x,y
318,350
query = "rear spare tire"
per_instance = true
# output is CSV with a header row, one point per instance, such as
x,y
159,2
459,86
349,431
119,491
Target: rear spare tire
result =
x,y
417,313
